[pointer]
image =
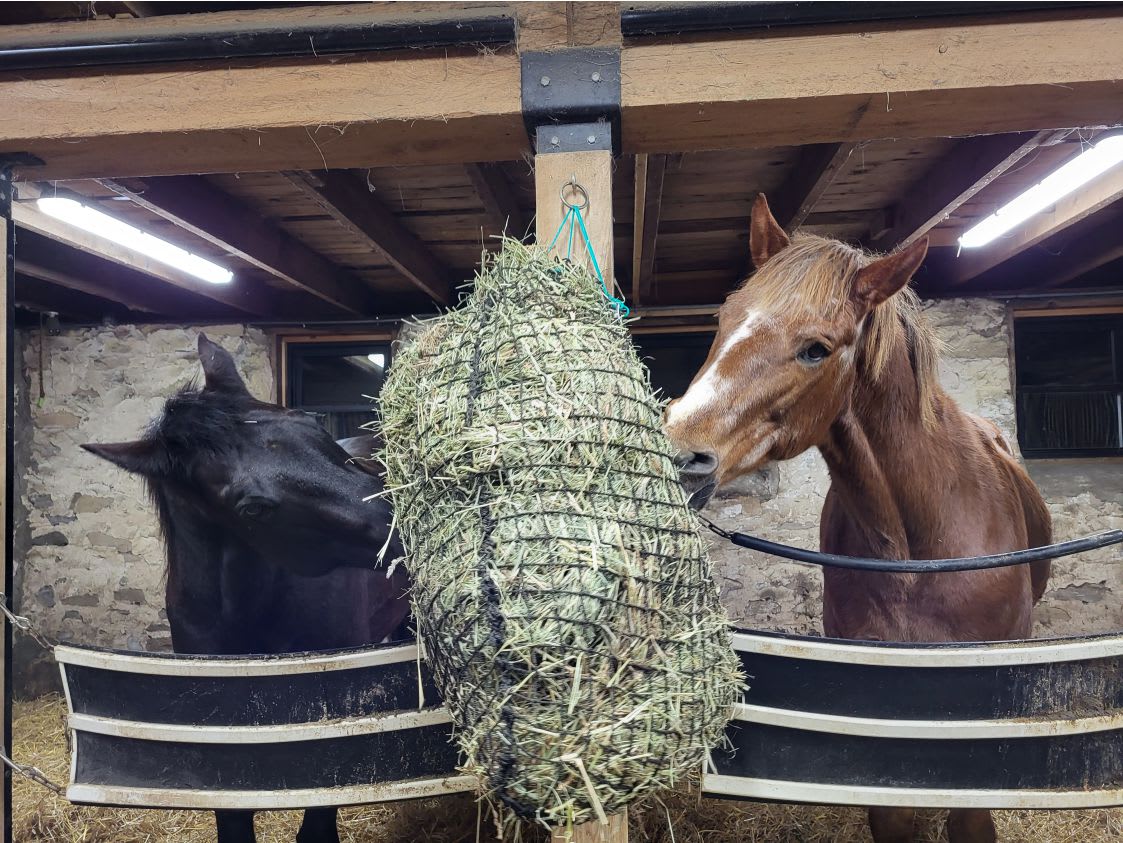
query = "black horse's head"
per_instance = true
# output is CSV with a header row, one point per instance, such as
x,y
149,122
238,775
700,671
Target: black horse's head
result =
x,y
274,477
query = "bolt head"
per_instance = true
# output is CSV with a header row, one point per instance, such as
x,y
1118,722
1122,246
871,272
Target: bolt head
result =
x,y
545,80
591,138
555,140
596,77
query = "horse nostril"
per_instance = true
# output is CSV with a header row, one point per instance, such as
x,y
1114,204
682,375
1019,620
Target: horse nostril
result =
x,y
696,463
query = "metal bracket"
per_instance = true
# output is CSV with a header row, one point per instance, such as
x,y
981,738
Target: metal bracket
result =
x,y
573,94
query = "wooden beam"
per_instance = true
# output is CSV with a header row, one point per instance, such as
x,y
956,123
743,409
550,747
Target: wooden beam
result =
x,y
41,296
941,77
197,206
264,116
1084,253
241,293
344,197
815,169
499,200
956,177
650,170
1097,194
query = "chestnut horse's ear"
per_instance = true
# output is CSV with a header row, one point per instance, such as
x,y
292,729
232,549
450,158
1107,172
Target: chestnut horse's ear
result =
x,y
886,276
766,237
219,371
144,456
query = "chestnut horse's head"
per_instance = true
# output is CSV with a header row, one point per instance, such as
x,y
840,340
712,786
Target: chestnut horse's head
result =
x,y
789,347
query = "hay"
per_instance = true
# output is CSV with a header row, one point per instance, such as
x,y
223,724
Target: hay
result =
x,y
40,816
561,586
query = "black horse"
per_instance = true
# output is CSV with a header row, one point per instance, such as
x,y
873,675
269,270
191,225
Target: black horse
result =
x,y
272,538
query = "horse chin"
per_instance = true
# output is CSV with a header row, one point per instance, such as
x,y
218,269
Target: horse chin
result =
x,y
700,495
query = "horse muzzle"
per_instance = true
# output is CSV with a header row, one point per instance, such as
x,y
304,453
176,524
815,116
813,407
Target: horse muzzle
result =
x,y
697,471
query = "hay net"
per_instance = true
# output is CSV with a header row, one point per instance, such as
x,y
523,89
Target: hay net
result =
x,y
561,587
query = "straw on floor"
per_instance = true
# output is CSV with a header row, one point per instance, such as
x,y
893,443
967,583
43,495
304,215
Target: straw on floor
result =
x,y
41,817
562,588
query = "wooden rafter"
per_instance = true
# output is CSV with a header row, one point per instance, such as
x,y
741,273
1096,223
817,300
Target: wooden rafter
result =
x,y
36,294
650,170
956,177
343,197
940,77
815,169
1097,194
197,206
1084,253
42,258
242,294
499,200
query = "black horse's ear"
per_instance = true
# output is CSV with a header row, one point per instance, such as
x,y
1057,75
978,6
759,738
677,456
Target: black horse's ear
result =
x,y
219,371
144,456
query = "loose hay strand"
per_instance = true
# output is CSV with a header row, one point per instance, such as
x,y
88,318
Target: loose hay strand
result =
x,y
560,581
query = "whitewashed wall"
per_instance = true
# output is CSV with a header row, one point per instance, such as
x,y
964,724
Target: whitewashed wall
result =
x,y
89,560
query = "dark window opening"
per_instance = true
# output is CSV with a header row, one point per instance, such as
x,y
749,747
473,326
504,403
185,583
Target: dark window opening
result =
x,y
337,382
673,359
1069,386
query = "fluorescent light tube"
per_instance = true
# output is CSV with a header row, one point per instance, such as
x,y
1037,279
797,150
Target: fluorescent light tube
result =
x,y
102,225
378,360
1095,160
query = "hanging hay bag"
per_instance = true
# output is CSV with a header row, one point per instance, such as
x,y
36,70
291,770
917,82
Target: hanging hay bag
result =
x,y
561,588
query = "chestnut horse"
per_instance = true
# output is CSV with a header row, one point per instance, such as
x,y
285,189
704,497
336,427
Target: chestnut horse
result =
x,y
825,348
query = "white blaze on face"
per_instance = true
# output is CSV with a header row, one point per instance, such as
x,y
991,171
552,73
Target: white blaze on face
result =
x,y
712,385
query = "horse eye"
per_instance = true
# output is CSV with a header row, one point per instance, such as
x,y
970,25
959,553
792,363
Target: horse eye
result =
x,y
814,353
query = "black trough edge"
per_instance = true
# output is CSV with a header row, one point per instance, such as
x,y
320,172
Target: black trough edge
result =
x,y
717,17
309,40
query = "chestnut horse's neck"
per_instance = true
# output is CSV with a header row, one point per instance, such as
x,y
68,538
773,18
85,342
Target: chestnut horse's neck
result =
x,y
886,459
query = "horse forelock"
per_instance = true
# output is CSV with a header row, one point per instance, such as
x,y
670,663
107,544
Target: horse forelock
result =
x,y
195,421
817,274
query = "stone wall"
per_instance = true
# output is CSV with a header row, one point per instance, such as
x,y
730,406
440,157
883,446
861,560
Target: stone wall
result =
x,y
89,559
90,563
783,503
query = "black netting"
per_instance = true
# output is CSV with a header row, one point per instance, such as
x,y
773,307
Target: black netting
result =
x,y
562,588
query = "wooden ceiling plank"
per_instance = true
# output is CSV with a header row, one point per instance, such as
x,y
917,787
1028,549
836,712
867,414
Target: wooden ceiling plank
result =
x,y
952,181
1082,203
345,198
197,206
649,176
499,200
244,295
815,169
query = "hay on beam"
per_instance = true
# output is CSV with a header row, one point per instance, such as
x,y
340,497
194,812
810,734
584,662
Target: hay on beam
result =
x,y
561,586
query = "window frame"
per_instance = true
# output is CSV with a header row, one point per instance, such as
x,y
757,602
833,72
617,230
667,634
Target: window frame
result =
x,y
1112,319
288,376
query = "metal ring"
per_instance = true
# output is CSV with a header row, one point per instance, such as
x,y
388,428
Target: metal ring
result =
x,y
577,188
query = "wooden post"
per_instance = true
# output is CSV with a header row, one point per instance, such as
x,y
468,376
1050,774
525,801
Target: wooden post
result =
x,y
593,171
594,832
7,350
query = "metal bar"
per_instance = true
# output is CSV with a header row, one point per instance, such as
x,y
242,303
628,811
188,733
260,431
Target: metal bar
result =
x,y
309,40
7,283
922,566
731,17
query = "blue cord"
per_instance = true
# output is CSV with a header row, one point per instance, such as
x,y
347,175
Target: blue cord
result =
x,y
573,219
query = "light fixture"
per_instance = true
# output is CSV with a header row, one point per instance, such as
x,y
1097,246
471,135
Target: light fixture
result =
x,y
1097,159
102,225
378,360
